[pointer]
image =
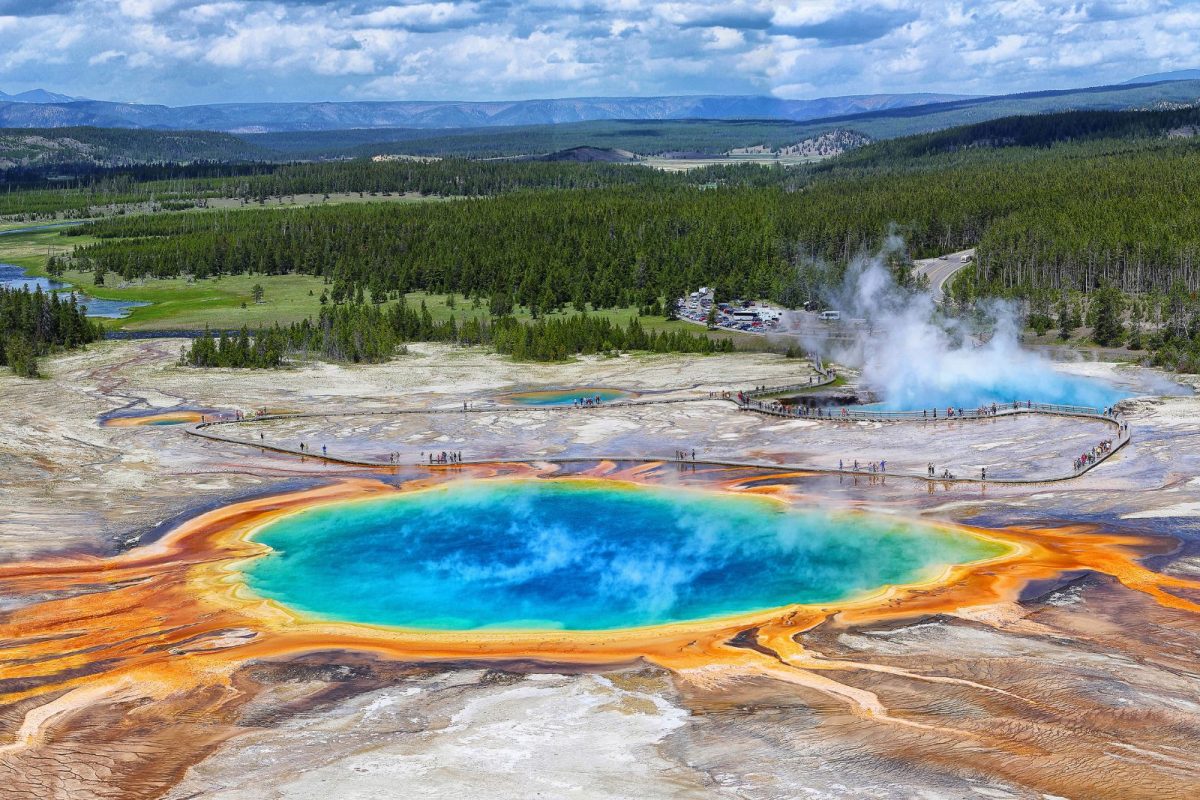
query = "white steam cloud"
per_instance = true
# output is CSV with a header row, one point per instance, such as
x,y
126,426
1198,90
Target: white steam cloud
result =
x,y
915,357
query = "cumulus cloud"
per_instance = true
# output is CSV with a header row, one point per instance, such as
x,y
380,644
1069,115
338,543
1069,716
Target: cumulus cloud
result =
x,y
189,51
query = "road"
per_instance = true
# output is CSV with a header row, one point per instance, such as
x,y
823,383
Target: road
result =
x,y
941,269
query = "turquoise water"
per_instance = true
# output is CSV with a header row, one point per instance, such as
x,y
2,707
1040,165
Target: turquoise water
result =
x,y
566,397
582,555
1042,386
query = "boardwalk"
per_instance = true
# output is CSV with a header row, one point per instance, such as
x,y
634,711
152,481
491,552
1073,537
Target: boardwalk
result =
x,y
748,401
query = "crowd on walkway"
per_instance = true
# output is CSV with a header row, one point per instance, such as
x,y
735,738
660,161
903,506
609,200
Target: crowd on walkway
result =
x,y
746,400
871,467
1097,453
799,410
444,457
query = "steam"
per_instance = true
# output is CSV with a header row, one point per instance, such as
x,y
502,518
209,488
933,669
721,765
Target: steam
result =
x,y
913,356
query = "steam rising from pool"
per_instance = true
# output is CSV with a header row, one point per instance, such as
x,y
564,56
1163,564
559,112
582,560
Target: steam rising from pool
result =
x,y
584,555
915,357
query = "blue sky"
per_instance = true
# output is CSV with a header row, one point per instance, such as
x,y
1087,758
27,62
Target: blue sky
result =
x,y
201,51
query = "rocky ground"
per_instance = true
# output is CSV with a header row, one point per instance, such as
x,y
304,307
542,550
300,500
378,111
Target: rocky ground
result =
x,y
1083,686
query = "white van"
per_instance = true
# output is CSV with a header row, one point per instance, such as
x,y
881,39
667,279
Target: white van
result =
x,y
831,315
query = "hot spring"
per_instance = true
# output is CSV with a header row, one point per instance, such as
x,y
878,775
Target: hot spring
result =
x,y
584,555
126,418
1027,380
566,397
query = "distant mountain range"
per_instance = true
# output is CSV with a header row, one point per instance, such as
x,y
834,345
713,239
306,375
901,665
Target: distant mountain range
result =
x,y
272,117
39,108
34,133
1160,77
37,96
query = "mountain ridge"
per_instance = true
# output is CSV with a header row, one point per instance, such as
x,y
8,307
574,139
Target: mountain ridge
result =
x,y
1166,77
277,117
37,96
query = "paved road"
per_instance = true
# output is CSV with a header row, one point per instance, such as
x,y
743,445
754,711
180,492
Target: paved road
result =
x,y
941,269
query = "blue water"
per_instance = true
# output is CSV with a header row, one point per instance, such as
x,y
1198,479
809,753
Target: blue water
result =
x,y
14,277
566,397
582,555
1039,386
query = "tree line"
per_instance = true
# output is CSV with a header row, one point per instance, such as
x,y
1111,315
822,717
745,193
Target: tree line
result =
x,y
36,323
369,333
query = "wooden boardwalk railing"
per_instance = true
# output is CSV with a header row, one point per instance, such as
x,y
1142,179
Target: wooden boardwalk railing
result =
x,y
745,400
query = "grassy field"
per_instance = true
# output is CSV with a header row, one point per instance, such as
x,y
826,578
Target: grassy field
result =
x,y
16,221
439,308
228,303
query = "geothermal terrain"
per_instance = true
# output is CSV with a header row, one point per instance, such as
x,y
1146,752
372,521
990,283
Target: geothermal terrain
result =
x,y
132,669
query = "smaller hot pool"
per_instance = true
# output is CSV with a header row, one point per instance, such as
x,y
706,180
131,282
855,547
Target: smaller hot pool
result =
x,y
126,417
593,395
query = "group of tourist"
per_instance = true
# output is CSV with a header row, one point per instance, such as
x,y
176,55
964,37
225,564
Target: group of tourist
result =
x,y
444,457
586,402
775,407
1093,455
952,412
304,447
682,455
873,467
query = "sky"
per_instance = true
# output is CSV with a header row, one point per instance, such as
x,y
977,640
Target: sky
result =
x,y
180,52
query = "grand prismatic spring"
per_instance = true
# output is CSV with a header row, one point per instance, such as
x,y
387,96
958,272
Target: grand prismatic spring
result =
x,y
584,555
237,617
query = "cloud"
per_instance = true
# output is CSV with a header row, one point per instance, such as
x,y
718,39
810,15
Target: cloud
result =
x,y
850,28
192,51
425,17
38,8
